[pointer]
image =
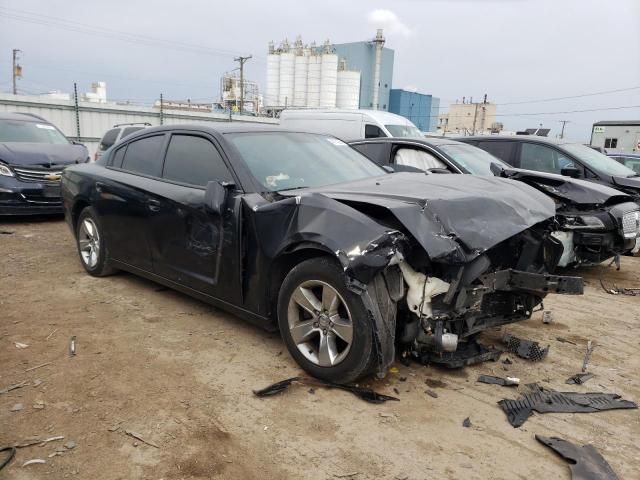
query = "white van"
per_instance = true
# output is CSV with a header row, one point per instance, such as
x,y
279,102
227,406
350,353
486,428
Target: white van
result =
x,y
349,124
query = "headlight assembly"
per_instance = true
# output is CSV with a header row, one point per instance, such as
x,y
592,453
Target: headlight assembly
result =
x,y
584,221
5,171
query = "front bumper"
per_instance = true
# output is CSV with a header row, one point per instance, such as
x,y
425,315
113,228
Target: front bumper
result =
x,y
19,197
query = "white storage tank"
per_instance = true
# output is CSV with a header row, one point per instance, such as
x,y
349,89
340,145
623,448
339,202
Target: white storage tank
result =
x,y
300,79
272,94
313,81
287,70
348,89
328,80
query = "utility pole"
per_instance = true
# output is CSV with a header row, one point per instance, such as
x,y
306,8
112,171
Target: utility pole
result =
x,y
475,116
242,61
17,70
161,109
563,122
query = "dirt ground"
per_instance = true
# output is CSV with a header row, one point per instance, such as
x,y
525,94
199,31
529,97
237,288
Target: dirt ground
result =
x,y
180,374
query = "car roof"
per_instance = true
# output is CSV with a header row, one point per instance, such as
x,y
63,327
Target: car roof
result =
x,y
519,138
25,117
219,128
381,116
429,141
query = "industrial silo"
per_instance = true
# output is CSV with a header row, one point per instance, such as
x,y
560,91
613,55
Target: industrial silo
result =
x,y
348,89
272,93
313,80
287,70
300,78
328,78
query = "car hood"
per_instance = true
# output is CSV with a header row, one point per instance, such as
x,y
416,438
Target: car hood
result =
x,y
42,154
632,182
573,190
454,217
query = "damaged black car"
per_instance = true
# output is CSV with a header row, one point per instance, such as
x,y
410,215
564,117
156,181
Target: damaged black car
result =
x,y
300,232
594,222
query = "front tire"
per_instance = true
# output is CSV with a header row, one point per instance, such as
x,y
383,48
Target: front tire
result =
x,y
325,327
91,244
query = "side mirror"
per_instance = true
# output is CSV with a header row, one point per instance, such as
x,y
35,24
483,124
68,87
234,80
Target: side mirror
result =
x,y
388,169
215,197
570,171
496,169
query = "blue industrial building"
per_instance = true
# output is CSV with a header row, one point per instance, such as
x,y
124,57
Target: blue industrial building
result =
x,y
361,56
419,108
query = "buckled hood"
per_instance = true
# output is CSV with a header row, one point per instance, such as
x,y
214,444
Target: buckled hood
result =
x,y
452,216
42,154
569,189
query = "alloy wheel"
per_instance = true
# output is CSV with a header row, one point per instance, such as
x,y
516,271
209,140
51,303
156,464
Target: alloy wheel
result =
x,y
320,323
89,242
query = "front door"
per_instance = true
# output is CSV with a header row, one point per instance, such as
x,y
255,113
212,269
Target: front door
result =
x,y
189,244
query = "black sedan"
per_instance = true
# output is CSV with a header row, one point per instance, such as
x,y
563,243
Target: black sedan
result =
x,y
300,231
33,153
595,222
561,157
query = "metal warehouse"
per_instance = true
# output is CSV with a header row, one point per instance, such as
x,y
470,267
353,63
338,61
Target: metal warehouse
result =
x,y
616,135
419,108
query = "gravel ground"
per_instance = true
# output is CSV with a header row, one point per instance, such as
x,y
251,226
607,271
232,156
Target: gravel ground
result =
x,y
180,374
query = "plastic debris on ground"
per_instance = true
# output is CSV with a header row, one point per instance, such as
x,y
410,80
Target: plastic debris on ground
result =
x,y
585,462
365,394
578,378
527,349
542,400
505,382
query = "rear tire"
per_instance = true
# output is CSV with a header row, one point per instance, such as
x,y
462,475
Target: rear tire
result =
x,y
91,243
325,327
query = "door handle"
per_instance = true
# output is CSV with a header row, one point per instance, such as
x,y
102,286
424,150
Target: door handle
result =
x,y
153,205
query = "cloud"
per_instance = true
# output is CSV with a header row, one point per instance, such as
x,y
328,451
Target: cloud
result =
x,y
388,21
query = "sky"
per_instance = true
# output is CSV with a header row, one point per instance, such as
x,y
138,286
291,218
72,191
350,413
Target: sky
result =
x,y
518,52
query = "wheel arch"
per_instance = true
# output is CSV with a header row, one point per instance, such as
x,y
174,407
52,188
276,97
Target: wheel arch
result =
x,y
78,206
288,258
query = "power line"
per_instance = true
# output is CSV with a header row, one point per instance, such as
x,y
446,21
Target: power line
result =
x,y
606,92
46,20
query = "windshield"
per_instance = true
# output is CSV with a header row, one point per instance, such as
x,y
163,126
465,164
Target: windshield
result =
x,y
30,132
598,161
472,159
285,160
404,131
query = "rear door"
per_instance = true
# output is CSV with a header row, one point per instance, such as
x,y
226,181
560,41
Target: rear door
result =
x,y
189,244
123,198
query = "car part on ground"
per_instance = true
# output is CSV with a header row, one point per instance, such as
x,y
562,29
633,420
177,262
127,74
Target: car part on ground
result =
x,y
544,400
578,378
505,382
527,349
365,394
585,462
423,263
9,456
587,355
33,154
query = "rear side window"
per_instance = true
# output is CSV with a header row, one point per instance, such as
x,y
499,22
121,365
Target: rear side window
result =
x,y
373,131
378,152
129,130
145,156
194,160
109,138
501,150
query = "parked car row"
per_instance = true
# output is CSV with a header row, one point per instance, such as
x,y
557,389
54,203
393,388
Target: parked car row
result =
x,y
356,252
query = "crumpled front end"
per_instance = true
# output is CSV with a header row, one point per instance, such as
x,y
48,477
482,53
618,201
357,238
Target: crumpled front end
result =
x,y
447,305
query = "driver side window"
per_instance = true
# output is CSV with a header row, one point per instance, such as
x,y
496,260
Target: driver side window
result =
x,y
419,159
542,158
373,131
